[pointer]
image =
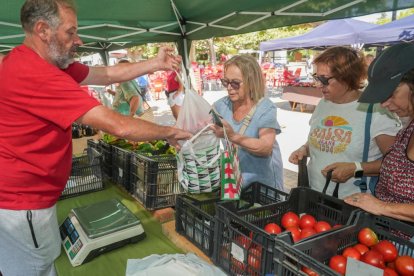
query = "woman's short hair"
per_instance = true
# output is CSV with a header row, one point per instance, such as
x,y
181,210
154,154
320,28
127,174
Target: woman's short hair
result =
x,y
408,78
252,75
347,65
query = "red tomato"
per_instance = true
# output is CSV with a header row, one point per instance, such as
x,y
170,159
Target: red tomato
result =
x,y
351,253
309,271
337,226
272,228
295,232
243,241
255,259
404,265
307,232
338,263
391,265
290,219
367,237
237,267
374,258
322,226
307,221
390,272
361,248
387,249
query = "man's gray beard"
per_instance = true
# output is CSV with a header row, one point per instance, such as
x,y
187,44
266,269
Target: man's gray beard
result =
x,y
62,60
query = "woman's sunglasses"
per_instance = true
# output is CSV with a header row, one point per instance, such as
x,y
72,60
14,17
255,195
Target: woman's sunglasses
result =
x,y
322,79
235,84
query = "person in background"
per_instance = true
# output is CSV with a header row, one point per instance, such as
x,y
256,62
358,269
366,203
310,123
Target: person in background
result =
x,y
259,152
368,59
391,83
337,125
288,76
40,98
128,100
143,84
174,93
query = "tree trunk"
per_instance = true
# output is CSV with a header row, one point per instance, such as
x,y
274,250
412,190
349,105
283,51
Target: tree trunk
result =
x,y
212,51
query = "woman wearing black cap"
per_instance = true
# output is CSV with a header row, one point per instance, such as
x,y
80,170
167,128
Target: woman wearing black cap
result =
x,y
391,82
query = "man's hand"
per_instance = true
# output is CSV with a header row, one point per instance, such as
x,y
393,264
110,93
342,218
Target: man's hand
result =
x,y
167,60
178,134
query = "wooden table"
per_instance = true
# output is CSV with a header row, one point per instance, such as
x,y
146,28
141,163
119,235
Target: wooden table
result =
x,y
302,96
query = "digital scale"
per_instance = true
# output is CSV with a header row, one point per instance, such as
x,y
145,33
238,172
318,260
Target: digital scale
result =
x,y
91,230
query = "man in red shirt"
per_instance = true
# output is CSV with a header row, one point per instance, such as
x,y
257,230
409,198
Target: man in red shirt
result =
x,y
40,98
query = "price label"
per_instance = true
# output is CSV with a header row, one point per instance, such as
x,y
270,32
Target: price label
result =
x,y
237,252
355,267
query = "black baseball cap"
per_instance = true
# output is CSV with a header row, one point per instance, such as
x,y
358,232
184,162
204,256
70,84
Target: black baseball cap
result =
x,y
386,71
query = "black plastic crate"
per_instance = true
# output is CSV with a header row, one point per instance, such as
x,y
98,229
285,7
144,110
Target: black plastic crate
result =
x,y
233,222
334,242
93,144
194,214
86,175
121,160
154,180
106,151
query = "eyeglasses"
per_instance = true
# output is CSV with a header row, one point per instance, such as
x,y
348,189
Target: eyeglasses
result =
x,y
322,79
235,84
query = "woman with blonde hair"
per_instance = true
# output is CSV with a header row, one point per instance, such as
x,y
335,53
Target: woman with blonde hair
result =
x,y
246,105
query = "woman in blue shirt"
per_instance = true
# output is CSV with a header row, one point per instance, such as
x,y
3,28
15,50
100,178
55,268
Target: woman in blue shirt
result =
x,y
259,152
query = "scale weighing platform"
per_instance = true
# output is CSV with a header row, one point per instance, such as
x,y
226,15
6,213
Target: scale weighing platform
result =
x,y
91,230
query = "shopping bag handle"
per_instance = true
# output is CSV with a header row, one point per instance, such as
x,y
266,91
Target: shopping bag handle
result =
x,y
191,140
195,136
328,180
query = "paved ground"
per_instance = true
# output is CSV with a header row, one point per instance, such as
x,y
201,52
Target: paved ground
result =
x,y
294,125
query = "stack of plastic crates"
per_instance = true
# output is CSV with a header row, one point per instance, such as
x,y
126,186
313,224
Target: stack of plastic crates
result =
x,y
154,180
195,214
242,241
86,175
106,151
121,160
289,260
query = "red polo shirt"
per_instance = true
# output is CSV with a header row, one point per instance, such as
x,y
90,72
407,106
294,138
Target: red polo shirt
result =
x,y
38,103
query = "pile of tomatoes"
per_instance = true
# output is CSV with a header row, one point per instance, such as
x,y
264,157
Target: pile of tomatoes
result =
x,y
300,227
382,254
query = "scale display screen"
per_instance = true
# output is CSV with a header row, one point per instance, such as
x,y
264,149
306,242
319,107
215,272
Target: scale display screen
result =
x,y
104,218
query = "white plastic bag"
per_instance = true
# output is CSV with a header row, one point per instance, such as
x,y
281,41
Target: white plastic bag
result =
x,y
195,111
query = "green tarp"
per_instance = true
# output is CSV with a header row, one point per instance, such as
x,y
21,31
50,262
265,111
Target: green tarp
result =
x,y
109,25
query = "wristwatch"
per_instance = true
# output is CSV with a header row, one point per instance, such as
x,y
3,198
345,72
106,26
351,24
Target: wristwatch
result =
x,y
359,172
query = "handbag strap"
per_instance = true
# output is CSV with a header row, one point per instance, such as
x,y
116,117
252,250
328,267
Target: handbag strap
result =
x,y
328,180
248,117
362,183
139,92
